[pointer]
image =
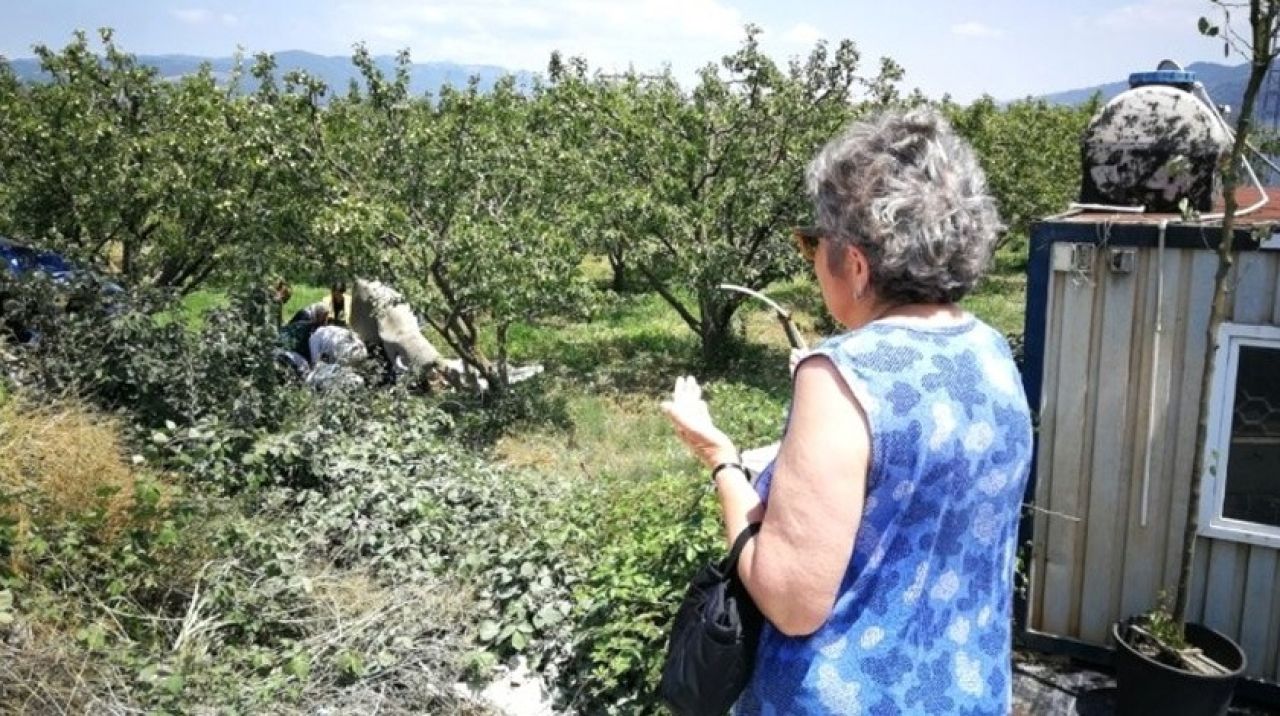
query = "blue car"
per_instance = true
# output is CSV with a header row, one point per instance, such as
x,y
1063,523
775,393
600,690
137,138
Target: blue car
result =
x,y
21,260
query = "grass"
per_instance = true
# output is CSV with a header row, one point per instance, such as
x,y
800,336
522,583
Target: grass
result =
x,y
612,370
609,436
1000,300
196,304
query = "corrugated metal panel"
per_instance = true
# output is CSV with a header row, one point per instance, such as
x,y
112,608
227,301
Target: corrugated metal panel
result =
x,y
1192,307
1144,577
1108,461
1063,554
1047,426
1093,443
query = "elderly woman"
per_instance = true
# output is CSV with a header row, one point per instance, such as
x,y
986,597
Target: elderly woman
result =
x,y
885,558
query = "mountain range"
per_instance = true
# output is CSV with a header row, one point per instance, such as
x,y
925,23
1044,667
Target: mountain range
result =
x,y
335,71
1224,83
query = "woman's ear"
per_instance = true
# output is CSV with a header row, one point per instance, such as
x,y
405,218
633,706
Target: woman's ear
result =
x,y
858,270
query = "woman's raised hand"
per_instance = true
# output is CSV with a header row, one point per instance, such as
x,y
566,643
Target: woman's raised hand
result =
x,y
689,414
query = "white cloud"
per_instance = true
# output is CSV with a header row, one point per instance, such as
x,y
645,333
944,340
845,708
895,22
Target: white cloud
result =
x,y
802,34
1151,15
393,33
193,16
522,34
201,16
974,28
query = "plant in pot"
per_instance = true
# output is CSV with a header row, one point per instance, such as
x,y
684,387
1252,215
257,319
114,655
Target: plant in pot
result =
x,y
1165,665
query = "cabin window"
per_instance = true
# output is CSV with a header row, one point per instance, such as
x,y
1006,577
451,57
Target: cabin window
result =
x,y
1241,495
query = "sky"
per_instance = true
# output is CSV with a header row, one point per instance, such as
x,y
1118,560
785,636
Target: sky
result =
x,y
1005,48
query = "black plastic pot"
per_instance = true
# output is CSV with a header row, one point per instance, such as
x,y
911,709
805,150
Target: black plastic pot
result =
x,y
1146,686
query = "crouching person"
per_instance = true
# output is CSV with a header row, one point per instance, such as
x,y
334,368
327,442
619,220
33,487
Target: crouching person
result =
x,y
334,350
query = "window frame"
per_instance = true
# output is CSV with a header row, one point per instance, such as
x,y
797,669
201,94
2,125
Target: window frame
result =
x,y
1222,391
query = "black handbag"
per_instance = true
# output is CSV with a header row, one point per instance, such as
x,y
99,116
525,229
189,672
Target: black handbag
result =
x,y
713,640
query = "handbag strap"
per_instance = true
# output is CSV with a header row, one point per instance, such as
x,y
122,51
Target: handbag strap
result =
x,y
739,544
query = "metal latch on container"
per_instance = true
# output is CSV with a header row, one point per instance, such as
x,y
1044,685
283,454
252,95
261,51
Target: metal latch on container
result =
x,y
1073,258
1121,260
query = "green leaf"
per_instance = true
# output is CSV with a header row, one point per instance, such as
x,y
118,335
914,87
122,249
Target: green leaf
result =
x,y
173,683
92,636
519,640
547,616
488,630
299,665
351,663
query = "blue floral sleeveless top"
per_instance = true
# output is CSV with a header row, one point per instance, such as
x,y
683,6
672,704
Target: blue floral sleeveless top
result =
x,y
922,619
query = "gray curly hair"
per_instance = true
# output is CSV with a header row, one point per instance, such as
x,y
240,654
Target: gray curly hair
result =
x,y
908,192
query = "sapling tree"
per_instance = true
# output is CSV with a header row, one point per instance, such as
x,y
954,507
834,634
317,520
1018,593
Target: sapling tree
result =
x,y
1260,47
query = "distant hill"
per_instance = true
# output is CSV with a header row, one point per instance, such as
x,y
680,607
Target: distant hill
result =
x,y
1224,83
337,72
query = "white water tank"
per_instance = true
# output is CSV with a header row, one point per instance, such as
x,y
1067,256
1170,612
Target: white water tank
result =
x,y
1154,145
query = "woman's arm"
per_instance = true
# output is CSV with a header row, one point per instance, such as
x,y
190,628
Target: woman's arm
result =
x,y
794,566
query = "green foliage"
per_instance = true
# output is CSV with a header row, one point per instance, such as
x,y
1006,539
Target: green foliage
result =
x,y
425,509
704,185
652,535
1161,624
1030,151
167,182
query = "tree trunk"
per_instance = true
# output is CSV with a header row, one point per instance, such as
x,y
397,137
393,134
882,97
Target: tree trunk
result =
x,y
500,380
716,334
618,262
128,260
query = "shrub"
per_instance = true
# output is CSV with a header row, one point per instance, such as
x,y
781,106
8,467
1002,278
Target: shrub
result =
x,y
187,606
112,349
649,538
376,484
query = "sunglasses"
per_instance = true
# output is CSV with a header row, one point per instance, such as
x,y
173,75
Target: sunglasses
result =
x,y
806,239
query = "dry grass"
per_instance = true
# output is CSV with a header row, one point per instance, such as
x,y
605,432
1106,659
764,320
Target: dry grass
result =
x,y
412,632
373,648
45,671
61,462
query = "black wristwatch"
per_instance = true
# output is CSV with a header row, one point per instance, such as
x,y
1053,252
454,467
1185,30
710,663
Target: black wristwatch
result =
x,y
715,471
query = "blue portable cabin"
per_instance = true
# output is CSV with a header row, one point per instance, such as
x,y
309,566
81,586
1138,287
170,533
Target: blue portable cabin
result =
x,y
1116,332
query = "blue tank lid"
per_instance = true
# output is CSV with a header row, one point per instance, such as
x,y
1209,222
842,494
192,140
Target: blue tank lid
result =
x,y
1162,77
